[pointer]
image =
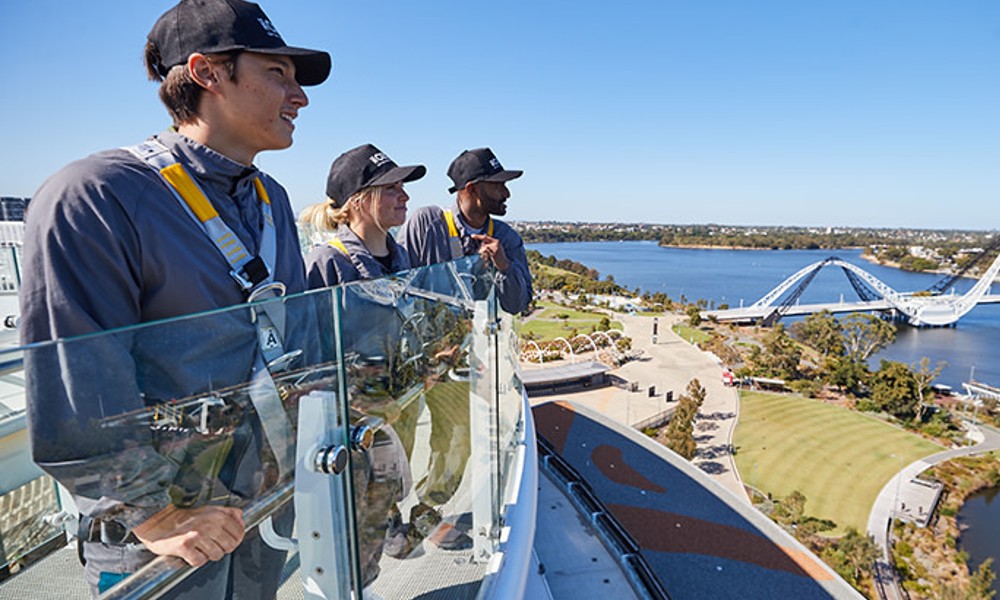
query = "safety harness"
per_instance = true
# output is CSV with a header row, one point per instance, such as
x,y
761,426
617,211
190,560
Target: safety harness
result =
x,y
455,240
255,277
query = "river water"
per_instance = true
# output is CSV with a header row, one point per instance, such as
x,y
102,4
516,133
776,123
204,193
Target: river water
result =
x,y
981,516
738,277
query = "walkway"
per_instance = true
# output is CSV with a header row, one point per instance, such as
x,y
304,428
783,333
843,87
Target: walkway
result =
x,y
899,489
669,365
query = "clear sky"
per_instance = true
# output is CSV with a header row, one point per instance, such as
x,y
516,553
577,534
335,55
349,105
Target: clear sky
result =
x,y
879,113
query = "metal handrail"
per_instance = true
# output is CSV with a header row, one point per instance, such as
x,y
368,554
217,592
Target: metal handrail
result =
x,y
162,574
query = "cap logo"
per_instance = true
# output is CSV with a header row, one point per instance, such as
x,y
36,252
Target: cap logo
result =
x,y
379,159
268,28
495,165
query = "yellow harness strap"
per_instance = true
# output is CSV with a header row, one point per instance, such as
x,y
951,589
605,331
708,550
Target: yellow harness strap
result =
x,y
449,218
189,192
339,245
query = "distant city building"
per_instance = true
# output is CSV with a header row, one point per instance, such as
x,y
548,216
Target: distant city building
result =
x,y
12,209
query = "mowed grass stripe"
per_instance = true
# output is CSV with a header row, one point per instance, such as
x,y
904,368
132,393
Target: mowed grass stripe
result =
x,y
838,458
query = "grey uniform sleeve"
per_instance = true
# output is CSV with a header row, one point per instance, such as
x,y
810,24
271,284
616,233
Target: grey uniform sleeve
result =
x,y
326,266
424,238
81,275
514,286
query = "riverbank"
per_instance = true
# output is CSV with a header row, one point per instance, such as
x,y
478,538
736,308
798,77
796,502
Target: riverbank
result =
x,y
895,265
930,560
744,248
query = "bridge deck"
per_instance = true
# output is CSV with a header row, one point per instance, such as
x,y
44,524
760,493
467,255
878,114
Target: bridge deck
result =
x,y
752,313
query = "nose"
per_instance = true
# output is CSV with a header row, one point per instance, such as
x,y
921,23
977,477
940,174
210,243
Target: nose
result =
x,y
297,96
403,196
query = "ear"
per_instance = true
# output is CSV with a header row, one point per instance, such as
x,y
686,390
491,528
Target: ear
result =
x,y
203,71
470,188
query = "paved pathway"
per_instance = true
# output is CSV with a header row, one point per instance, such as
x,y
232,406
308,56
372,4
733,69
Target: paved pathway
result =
x,y
899,490
669,365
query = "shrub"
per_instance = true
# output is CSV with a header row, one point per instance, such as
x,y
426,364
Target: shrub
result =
x,y
806,387
866,405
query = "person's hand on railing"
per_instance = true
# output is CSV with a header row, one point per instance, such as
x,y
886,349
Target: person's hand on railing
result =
x,y
195,535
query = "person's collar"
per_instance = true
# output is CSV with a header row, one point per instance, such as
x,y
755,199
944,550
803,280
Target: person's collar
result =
x,y
464,225
206,164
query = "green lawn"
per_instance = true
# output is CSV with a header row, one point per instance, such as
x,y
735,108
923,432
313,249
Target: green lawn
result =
x,y
691,334
838,458
547,325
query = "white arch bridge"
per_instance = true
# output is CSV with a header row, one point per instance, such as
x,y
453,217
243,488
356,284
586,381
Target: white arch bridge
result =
x,y
919,310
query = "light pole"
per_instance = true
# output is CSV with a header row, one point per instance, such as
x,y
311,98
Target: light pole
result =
x,y
975,408
895,500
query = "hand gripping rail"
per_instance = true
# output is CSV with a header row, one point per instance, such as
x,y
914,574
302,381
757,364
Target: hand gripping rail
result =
x,y
159,576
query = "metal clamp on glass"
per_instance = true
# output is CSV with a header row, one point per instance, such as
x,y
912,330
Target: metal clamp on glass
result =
x,y
331,460
363,432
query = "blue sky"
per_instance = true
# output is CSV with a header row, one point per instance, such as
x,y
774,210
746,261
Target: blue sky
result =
x,y
856,112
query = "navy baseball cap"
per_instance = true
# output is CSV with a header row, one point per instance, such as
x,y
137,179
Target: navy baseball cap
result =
x,y
363,167
478,165
214,26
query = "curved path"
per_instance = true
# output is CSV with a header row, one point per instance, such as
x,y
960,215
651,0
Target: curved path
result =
x,y
880,518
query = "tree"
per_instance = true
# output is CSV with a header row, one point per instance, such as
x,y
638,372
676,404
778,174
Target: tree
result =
x,y
680,431
894,389
794,506
822,332
694,315
696,392
865,335
780,357
846,374
981,580
925,375
853,557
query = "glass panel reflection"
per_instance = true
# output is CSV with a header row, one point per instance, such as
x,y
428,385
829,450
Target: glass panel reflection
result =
x,y
413,377
406,342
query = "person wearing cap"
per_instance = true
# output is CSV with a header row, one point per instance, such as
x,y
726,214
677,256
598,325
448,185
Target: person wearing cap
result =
x,y
365,198
112,241
434,235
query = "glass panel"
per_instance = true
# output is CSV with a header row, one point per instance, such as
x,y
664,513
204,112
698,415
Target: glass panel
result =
x,y
204,409
26,496
190,411
407,341
509,402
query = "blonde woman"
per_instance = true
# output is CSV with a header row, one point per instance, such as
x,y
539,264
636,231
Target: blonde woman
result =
x,y
365,197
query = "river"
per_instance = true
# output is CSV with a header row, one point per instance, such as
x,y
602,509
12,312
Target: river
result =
x,y
737,277
980,518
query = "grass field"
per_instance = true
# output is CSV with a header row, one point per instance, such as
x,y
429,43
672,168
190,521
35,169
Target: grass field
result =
x,y
838,458
548,325
690,334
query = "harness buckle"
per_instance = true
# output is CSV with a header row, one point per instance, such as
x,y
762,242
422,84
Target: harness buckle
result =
x,y
252,273
275,289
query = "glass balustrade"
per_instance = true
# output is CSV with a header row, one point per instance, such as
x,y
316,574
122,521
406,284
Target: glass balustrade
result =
x,y
386,415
